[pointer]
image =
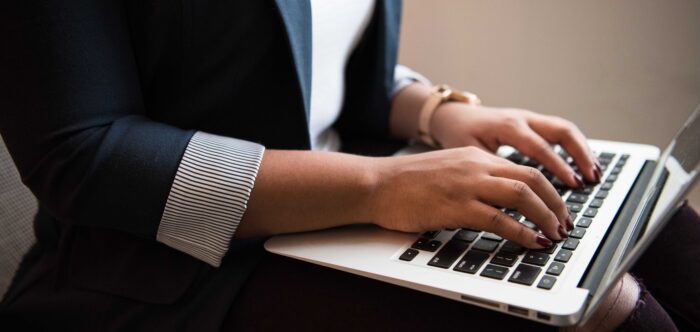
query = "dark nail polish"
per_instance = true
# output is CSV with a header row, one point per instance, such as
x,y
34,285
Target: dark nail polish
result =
x,y
598,167
562,232
543,241
569,223
578,180
596,174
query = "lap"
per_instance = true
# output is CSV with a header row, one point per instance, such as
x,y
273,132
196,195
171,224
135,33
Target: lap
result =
x,y
671,265
285,293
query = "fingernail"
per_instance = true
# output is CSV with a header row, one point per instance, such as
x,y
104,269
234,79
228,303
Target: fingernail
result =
x,y
597,174
598,167
562,232
569,223
543,241
579,181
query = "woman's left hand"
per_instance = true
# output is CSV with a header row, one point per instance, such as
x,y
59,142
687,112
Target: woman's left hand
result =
x,y
457,124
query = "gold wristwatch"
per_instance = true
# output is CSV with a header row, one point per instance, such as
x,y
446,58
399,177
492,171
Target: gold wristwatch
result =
x,y
439,95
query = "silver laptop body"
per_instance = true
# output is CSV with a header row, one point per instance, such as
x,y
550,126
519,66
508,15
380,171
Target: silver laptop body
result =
x,y
644,190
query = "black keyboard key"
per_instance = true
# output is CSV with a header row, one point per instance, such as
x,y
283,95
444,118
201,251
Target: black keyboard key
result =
x,y
577,198
563,154
596,203
548,175
601,194
536,258
426,244
606,186
485,245
590,212
529,224
555,268
465,235
587,190
525,274
409,254
433,245
492,237
471,262
584,222
621,163
577,233
547,282
516,157
495,271
514,214
616,170
430,234
548,250
574,207
573,215
561,191
420,243
513,248
505,259
563,256
570,244
531,163
448,254
624,157
611,178
606,155
558,184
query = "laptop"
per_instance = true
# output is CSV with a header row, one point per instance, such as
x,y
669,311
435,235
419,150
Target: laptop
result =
x,y
615,221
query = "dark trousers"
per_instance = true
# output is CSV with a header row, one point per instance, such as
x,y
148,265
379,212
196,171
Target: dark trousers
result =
x,y
285,294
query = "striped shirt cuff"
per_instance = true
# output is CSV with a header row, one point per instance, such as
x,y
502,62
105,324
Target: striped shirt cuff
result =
x,y
209,195
404,76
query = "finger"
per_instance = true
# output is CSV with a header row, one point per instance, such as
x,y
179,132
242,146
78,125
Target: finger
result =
x,y
541,186
517,195
534,146
493,220
478,144
566,134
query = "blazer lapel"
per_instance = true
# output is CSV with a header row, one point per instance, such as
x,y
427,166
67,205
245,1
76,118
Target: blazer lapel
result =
x,y
296,15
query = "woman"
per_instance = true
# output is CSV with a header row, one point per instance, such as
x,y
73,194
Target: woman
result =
x,y
164,140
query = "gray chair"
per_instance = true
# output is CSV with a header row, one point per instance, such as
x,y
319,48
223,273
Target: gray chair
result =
x,y
17,209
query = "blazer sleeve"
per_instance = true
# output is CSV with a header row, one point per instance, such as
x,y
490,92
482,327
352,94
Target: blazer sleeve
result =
x,y
74,120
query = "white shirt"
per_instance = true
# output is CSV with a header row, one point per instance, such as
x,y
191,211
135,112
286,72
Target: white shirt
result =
x,y
336,28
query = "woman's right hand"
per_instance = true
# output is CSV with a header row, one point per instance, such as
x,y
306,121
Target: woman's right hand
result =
x,y
458,188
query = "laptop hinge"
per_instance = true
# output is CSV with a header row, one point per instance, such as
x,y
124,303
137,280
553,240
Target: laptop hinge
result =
x,y
601,259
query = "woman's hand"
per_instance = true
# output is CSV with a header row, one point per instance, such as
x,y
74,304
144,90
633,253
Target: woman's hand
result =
x,y
457,124
457,188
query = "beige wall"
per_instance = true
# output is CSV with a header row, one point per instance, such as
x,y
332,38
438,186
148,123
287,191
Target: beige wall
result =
x,y
623,70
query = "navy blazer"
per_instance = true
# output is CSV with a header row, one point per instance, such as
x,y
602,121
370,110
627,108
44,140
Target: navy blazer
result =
x,y
100,98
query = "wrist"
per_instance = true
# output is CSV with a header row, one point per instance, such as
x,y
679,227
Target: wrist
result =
x,y
372,172
446,116
380,171
439,96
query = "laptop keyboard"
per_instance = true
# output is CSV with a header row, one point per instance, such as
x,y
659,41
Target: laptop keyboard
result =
x,y
488,255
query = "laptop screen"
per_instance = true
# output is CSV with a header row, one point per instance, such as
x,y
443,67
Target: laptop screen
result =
x,y
674,175
681,160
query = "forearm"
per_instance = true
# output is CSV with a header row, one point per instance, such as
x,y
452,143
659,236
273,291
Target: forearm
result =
x,y
405,110
306,190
